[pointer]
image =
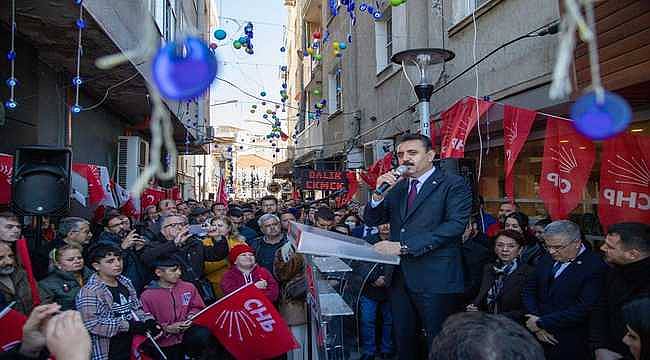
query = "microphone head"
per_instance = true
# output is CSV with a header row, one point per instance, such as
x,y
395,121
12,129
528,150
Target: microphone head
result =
x,y
401,169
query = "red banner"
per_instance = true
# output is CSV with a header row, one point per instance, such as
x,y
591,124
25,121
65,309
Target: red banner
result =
x,y
151,196
12,329
457,122
625,180
377,169
567,163
516,127
6,170
248,325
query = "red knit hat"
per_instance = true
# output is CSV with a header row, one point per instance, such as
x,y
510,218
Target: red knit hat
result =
x,y
238,250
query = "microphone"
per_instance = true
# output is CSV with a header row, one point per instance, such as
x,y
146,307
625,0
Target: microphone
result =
x,y
384,186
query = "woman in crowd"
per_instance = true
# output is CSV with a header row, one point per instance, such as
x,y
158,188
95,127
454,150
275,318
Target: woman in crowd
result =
x,y
214,270
532,251
637,318
69,275
245,271
503,280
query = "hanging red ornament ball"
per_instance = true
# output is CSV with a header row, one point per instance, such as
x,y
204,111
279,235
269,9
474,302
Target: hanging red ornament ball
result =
x,y
316,35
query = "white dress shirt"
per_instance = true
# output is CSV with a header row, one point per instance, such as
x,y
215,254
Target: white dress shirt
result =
x,y
421,180
566,264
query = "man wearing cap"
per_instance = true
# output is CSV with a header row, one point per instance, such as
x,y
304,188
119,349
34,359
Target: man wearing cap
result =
x,y
325,218
245,271
199,215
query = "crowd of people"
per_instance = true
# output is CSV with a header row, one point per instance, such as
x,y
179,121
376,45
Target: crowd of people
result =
x,y
92,286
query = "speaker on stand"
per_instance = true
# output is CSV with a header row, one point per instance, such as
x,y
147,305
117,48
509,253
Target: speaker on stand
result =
x,y
466,168
41,183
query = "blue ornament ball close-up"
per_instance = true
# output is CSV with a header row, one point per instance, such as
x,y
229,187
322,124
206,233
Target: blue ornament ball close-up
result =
x,y
11,104
220,34
186,77
601,121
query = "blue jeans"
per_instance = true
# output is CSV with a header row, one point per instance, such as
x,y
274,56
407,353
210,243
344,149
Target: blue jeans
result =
x,y
368,320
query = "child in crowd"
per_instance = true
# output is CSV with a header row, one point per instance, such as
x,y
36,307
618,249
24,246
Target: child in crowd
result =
x,y
246,271
172,302
110,307
69,275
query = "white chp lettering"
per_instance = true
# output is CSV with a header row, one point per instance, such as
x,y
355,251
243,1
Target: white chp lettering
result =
x,y
257,309
634,200
563,184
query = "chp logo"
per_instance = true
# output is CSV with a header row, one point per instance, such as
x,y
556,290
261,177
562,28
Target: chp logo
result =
x,y
566,158
634,172
243,323
510,135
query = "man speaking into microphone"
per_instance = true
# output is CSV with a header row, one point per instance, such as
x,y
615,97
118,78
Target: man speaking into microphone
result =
x,y
428,210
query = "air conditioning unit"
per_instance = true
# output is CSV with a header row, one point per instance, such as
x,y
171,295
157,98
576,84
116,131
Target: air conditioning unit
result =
x,y
132,157
376,150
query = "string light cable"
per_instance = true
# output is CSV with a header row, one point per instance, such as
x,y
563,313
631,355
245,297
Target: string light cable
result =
x,y
12,82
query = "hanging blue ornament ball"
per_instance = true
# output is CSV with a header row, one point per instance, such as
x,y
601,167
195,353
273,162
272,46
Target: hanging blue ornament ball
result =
x,y
80,23
305,53
76,81
273,144
262,94
243,40
11,104
76,109
277,150
249,51
284,85
78,2
377,14
283,49
11,55
371,10
263,103
266,116
283,100
220,34
12,81
283,68
601,121
342,45
184,77
363,7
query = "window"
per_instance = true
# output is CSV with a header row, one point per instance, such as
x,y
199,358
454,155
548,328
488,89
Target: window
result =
x,y
463,8
335,93
384,40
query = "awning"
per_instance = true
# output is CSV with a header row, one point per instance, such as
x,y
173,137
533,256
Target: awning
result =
x,y
283,170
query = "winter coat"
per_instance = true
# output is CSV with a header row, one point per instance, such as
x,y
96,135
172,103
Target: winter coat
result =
x,y
95,303
289,269
192,254
21,294
134,268
214,270
233,279
62,287
170,305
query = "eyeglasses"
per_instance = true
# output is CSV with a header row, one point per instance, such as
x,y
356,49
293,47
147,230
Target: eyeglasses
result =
x,y
176,225
556,248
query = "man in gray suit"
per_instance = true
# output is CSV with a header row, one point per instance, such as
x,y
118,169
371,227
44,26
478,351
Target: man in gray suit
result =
x,y
428,210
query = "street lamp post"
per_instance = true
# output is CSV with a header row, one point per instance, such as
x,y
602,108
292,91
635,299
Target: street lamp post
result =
x,y
418,62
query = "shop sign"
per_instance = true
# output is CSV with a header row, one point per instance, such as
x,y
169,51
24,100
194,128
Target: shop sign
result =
x,y
308,179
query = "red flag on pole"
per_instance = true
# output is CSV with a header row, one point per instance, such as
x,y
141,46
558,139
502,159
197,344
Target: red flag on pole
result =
x,y
567,163
151,196
12,329
377,169
6,170
458,121
248,325
625,180
223,194
516,127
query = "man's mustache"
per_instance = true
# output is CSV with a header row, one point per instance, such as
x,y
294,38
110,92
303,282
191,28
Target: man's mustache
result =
x,y
408,163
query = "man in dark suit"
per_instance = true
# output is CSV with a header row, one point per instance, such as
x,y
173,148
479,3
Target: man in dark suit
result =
x,y
567,283
428,210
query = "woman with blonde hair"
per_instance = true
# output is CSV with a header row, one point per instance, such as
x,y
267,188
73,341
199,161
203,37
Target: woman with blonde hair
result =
x,y
214,270
69,275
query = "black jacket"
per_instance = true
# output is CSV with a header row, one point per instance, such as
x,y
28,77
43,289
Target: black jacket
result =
x,y
509,304
192,254
622,284
475,256
134,268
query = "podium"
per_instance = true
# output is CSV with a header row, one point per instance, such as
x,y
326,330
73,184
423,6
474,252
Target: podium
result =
x,y
327,256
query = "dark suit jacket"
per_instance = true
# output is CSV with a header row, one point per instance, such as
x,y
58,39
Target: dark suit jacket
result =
x,y
563,304
510,303
431,229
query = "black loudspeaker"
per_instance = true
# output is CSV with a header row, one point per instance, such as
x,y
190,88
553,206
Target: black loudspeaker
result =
x,y
41,181
463,167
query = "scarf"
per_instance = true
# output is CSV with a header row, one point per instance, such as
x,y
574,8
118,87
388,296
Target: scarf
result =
x,y
502,271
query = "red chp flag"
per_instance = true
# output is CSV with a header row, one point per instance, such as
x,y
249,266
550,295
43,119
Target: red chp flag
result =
x,y
625,180
567,163
380,167
516,127
248,325
457,122
12,324
6,170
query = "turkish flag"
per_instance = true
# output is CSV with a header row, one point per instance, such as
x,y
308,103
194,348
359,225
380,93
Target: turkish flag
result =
x,y
248,325
624,194
6,171
222,195
174,193
12,323
516,127
151,196
457,122
95,190
377,169
567,163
